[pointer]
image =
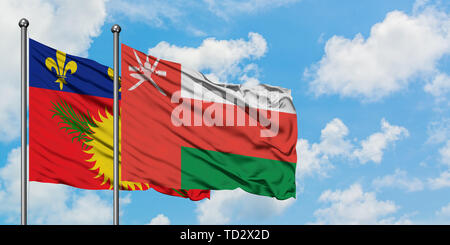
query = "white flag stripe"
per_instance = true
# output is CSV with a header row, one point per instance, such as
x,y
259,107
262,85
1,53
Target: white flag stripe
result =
x,y
195,85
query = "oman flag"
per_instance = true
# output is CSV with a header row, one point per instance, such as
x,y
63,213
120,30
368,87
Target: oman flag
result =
x,y
182,130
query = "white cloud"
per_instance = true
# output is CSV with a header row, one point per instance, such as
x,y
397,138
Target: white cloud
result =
x,y
354,206
439,86
445,153
160,219
332,138
227,8
160,13
403,220
153,13
231,206
50,203
399,180
10,185
70,208
9,109
311,160
444,211
220,57
178,13
316,158
439,131
385,62
419,5
65,25
440,182
443,180
372,148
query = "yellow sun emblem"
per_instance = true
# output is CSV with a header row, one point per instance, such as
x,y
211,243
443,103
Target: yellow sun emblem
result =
x,y
102,152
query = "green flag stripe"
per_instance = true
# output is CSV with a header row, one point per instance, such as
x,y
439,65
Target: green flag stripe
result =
x,y
203,169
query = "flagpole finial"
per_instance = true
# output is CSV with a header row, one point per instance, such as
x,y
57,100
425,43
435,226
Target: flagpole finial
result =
x,y
24,22
115,28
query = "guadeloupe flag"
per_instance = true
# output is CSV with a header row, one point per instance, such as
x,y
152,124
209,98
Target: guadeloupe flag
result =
x,y
71,123
184,131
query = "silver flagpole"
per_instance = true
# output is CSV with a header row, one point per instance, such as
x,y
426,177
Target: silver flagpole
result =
x,y
23,23
116,30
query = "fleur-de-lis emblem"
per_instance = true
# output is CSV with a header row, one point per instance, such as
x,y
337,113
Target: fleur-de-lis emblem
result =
x,y
61,68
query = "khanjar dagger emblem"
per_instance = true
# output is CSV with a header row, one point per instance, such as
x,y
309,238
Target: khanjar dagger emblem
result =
x,y
61,68
144,73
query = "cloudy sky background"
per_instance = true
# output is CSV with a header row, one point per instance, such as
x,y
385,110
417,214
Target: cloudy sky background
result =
x,y
370,82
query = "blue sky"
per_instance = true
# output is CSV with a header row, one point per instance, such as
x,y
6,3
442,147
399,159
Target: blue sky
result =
x,y
370,82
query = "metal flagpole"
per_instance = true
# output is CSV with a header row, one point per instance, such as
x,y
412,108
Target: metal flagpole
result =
x,y
116,30
23,23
